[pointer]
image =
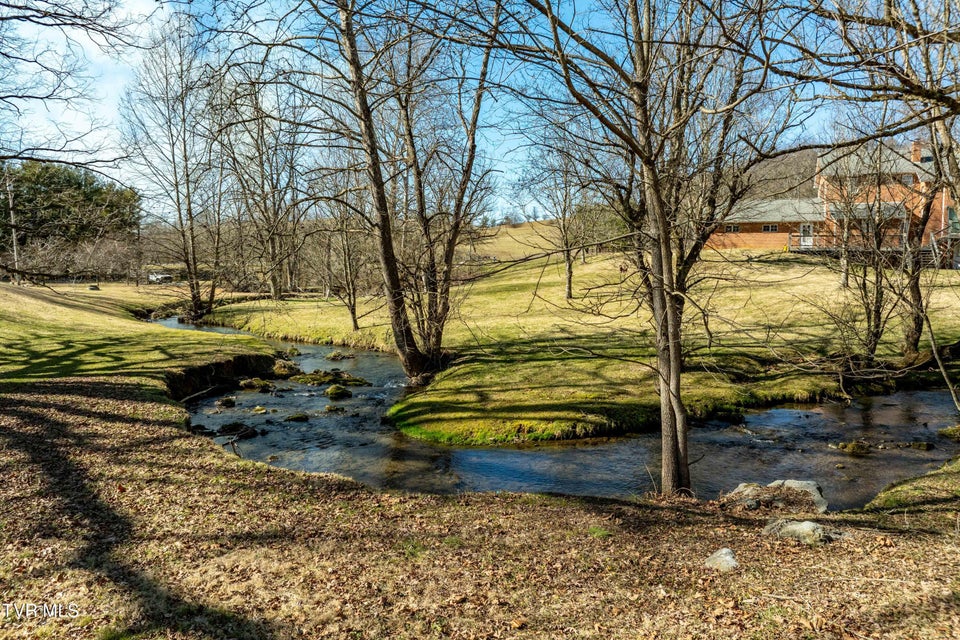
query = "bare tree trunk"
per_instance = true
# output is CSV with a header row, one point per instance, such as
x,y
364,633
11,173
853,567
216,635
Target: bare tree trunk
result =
x,y
14,242
675,472
412,359
845,253
913,325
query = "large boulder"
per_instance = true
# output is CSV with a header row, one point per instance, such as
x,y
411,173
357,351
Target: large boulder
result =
x,y
813,489
337,392
238,430
284,369
334,376
799,495
857,448
256,384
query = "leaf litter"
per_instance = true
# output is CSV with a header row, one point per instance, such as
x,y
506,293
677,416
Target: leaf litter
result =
x,y
109,505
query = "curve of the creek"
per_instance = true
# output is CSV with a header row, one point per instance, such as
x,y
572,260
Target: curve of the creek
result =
x,y
789,442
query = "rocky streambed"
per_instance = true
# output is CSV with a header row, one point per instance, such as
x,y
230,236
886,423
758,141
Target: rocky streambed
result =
x,y
331,420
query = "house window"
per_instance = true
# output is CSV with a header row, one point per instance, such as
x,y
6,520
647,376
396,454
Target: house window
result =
x,y
770,228
732,228
907,179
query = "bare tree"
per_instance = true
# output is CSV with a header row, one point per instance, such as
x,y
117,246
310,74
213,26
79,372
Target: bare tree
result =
x,y
683,117
262,144
42,67
12,204
859,186
168,111
347,265
406,101
552,180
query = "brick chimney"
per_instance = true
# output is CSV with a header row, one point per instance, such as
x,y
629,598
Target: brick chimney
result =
x,y
916,151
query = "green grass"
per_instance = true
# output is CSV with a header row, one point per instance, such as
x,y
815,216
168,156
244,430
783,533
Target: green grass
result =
x,y
72,331
531,366
307,320
932,491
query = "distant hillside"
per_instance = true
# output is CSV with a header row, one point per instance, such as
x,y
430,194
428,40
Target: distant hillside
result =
x,y
513,241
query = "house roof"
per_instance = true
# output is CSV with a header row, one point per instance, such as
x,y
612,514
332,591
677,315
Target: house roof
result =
x,y
868,210
883,159
793,210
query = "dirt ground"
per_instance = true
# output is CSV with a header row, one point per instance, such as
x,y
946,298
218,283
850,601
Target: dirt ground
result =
x,y
115,522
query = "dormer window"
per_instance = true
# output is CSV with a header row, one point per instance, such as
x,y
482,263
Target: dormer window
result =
x,y
907,179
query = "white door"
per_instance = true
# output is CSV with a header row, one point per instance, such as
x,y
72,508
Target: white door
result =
x,y
806,235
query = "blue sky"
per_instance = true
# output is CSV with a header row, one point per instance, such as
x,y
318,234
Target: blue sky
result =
x,y
106,74
110,72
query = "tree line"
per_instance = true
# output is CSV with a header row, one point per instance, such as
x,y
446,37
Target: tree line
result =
x,y
66,221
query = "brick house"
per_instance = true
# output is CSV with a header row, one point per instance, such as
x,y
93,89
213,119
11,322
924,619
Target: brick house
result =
x,y
883,189
772,224
869,192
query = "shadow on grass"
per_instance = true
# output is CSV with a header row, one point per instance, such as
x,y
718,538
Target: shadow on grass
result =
x,y
939,611
43,423
134,348
926,504
607,375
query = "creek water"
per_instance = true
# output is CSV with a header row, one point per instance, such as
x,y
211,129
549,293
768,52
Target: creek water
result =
x,y
789,442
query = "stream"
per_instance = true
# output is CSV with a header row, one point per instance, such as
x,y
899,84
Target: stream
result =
x,y
789,442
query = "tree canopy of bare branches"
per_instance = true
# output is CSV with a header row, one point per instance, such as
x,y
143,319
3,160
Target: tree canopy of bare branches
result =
x,y
677,118
42,66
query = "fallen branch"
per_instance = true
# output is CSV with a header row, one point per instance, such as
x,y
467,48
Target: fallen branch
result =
x,y
198,394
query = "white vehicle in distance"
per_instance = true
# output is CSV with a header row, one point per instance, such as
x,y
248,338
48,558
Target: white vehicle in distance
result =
x,y
159,278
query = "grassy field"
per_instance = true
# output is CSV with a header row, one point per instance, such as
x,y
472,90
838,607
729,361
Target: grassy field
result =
x,y
532,366
128,527
69,330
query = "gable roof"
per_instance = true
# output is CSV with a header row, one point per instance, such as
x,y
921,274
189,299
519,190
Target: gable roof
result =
x,y
792,210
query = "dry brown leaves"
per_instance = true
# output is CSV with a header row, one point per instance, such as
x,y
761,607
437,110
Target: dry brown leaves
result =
x,y
107,504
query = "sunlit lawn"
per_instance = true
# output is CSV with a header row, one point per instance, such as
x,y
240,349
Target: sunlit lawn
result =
x,y
69,330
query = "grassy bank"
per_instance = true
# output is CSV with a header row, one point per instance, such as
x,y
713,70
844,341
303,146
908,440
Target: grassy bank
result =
x,y
72,331
532,365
